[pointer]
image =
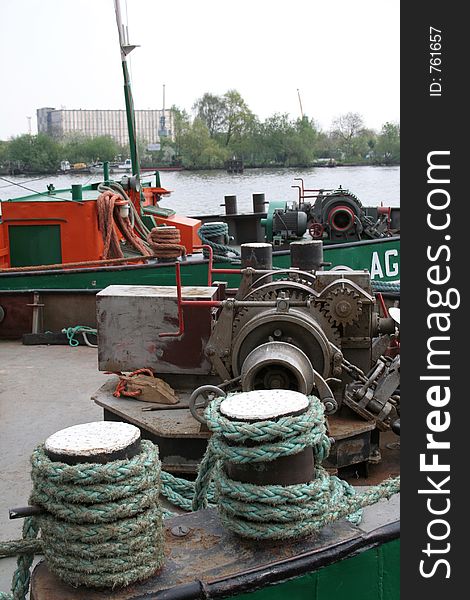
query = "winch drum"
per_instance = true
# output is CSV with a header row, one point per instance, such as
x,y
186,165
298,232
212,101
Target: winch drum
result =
x,y
305,333
277,365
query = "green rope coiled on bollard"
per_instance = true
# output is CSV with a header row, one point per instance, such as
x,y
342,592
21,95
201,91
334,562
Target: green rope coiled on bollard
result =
x,y
102,525
208,231
276,511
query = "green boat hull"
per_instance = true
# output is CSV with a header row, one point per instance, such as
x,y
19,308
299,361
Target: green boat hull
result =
x,y
371,575
380,257
340,562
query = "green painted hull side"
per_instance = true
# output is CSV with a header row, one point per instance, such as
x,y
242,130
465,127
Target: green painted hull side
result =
x,y
370,575
381,256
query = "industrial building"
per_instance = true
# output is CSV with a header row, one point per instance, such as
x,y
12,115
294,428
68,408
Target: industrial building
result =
x,y
151,125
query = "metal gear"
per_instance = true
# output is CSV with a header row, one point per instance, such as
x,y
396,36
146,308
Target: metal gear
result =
x,y
342,306
297,290
297,287
268,294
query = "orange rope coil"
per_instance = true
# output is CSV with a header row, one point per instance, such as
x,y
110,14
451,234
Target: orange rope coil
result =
x,y
165,242
109,216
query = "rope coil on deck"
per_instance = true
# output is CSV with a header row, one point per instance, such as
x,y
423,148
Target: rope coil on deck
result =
x,y
210,234
276,511
102,525
131,227
165,242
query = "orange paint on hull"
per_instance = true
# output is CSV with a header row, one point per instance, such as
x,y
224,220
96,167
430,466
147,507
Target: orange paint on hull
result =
x,y
80,237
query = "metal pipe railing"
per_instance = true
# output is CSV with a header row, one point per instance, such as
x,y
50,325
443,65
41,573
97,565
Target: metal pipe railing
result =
x,y
219,303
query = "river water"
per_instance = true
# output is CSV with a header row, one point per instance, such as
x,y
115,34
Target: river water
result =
x,y
202,192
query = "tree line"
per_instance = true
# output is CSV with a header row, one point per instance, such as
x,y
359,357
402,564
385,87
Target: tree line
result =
x,y
220,128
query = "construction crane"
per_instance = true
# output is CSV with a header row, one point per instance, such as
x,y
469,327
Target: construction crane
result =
x,y
300,102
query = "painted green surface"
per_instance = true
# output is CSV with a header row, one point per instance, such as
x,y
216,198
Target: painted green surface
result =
x,y
356,257
371,575
34,245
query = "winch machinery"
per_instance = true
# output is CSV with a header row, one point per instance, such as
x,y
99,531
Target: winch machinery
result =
x,y
307,330
333,215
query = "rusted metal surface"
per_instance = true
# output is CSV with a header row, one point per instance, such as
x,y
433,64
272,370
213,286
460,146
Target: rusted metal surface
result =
x,y
208,561
353,441
182,439
17,315
343,426
286,470
68,310
167,421
131,318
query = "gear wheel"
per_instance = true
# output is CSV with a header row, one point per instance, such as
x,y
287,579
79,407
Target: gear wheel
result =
x,y
342,307
298,289
239,318
295,292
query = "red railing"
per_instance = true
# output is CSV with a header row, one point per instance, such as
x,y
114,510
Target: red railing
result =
x,y
205,303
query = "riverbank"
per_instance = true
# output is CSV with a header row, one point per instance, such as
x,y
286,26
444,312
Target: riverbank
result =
x,y
169,168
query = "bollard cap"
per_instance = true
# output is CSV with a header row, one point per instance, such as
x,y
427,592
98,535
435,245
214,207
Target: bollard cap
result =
x,y
259,405
99,441
256,245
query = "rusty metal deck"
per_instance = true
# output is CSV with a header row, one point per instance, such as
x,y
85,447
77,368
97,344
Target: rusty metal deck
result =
x,y
182,439
211,562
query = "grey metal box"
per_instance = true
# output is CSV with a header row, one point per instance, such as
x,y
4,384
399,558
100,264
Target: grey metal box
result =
x,y
130,319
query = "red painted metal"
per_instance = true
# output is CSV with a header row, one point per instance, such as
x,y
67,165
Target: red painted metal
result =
x,y
207,303
211,268
204,303
180,307
382,304
337,209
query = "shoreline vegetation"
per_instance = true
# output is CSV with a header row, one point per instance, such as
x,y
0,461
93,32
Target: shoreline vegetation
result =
x,y
220,128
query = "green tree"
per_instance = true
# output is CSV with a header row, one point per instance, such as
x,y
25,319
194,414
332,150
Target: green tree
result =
x,y
3,152
198,149
181,126
80,148
238,117
211,110
388,144
100,148
35,153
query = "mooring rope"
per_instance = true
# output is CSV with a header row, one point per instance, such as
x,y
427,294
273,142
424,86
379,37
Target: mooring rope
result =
x,y
165,242
386,286
102,523
276,511
210,232
71,332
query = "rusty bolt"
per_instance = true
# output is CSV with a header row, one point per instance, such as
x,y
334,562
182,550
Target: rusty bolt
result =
x,y
180,530
338,357
329,406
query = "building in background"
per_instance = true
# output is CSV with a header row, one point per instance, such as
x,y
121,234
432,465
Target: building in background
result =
x,y
151,125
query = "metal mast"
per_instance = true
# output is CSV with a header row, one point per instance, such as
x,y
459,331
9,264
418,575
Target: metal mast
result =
x,y
126,49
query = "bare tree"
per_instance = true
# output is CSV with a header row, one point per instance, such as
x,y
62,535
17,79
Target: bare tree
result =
x,y
347,129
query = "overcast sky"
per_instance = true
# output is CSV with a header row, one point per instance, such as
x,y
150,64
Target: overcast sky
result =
x,y
342,55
